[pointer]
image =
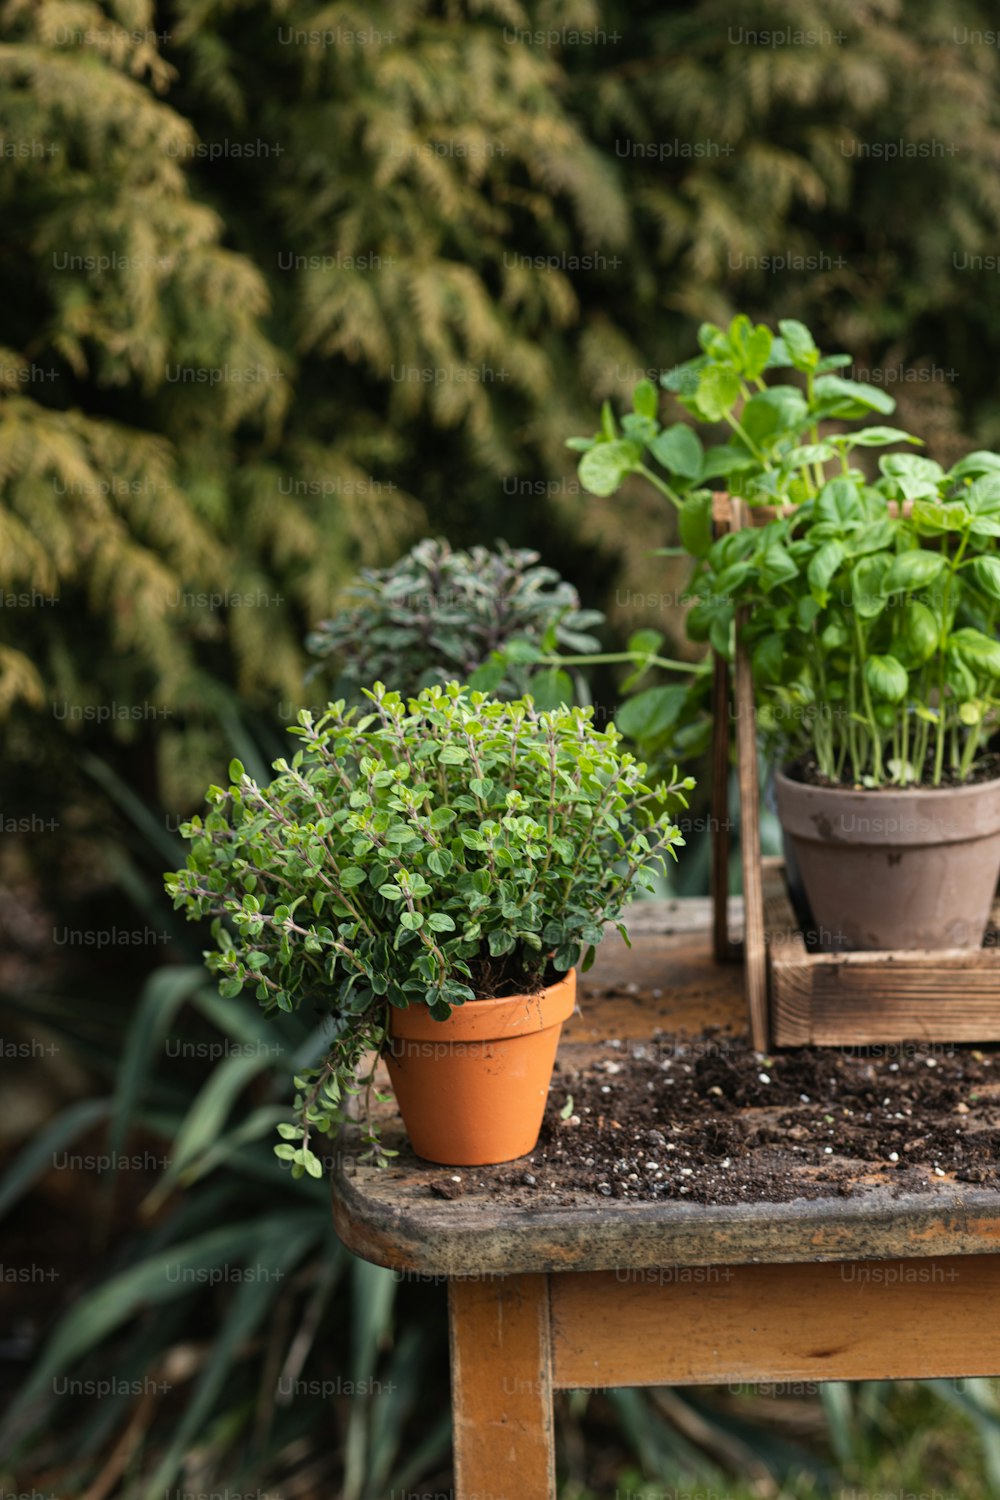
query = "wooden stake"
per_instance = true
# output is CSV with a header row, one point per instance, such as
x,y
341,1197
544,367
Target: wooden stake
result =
x,y
722,945
754,945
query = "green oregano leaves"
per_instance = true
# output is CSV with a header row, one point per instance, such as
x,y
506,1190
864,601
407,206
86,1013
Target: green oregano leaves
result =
x,y
434,850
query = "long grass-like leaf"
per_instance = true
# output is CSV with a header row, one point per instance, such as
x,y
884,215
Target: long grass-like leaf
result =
x,y
152,828
241,740
663,1451
390,1408
312,1048
157,1279
205,1119
374,1292
159,1001
243,1023
273,1259
836,1398
37,1156
220,1152
976,1399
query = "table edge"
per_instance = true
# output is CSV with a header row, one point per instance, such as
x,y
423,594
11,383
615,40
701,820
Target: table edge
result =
x,y
443,1242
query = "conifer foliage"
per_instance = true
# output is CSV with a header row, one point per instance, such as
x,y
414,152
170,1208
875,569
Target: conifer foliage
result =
x,y
274,273
287,284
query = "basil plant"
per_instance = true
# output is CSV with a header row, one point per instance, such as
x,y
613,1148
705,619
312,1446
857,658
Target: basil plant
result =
x,y
871,599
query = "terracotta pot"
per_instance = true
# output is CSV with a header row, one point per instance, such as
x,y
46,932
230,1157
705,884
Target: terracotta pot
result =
x,y
472,1089
901,869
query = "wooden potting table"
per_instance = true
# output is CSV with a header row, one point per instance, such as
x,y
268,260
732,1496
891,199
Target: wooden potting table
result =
x,y
578,1293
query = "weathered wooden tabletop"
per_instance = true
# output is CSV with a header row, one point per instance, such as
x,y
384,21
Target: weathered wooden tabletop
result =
x,y
391,1216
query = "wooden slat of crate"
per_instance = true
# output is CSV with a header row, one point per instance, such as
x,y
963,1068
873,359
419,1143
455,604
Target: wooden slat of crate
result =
x,y
863,999
759,515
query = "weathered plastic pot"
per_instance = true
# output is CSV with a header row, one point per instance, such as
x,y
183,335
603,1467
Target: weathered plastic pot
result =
x,y
894,869
472,1089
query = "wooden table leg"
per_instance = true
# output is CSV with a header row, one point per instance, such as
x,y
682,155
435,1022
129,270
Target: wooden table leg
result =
x,y
501,1388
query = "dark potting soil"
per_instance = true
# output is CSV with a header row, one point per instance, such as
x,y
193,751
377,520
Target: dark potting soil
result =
x,y
497,978
708,1120
986,768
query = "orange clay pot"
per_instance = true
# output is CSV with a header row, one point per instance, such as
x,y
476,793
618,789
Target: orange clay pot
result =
x,y
472,1089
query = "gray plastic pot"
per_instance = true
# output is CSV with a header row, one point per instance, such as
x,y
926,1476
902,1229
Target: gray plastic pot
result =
x,y
894,869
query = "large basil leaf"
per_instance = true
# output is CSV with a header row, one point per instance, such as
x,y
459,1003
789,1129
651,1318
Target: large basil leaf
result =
x,y
887,678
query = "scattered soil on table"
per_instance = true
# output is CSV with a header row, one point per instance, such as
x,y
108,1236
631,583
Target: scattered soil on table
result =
x,y
708,1120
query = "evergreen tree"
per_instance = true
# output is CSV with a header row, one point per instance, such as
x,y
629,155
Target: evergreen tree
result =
x,y
166,540
356,254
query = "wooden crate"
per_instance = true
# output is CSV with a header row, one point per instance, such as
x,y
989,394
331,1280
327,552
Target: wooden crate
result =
x,y
864,999
796,996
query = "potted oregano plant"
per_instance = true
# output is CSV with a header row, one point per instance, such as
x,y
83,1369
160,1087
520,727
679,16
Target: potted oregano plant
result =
x,y
871,601
429,875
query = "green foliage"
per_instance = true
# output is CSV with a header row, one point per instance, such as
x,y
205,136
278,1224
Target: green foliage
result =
x,y
447,191
436,851
872,632
299,1328
168,527
871,604
439,614
387,242
302,1370
906,1439
666,722
774,452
